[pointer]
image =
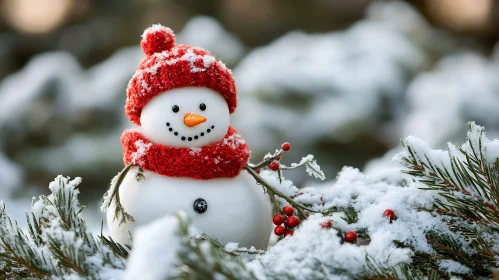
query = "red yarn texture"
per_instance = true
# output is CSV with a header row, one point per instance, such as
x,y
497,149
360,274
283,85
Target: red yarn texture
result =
x,y
175,67
157,38
224,159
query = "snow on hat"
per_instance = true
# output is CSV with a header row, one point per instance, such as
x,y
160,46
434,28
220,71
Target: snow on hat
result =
x,y
167,66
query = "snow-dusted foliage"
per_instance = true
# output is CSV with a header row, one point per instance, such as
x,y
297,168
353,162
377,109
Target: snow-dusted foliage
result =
x,y
58,244
444,224
331,87
171,248
317,253
462,87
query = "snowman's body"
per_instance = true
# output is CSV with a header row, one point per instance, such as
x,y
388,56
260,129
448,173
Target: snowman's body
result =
x,y
238,210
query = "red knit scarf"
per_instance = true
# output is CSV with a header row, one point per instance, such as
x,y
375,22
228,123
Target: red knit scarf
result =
x,y
225,158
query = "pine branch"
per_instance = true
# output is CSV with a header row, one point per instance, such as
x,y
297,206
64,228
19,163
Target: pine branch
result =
x,y
58,244
468,174
117,248
17,251
205,258
467,186
377,271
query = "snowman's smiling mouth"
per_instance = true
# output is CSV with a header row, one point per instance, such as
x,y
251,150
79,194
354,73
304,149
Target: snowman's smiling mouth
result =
x,y
189,138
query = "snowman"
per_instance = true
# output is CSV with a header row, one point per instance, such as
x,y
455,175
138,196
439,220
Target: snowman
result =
x,y
186,155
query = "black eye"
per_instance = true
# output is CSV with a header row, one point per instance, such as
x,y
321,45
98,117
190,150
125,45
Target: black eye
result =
x,y
175,108
202,106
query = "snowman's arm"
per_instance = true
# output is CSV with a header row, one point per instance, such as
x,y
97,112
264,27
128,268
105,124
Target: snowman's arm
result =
x,y
113,194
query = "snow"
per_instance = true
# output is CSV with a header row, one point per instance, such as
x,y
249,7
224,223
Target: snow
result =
x,y
462,87
142,149
191,58
311,167
234,141
109,194
154,28
492,151
314,247
286,186
333,89
195,151
453,266
231,246
160,238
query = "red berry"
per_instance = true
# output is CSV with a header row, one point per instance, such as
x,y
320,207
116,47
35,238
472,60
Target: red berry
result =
x,y
326,224
278,157
292,221
286,146
389,213
274,165
288,210
279,230
288,232
257,171
350,236
278,219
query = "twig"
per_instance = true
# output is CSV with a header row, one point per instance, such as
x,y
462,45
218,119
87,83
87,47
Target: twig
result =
x,y
266,162
299,207
116,195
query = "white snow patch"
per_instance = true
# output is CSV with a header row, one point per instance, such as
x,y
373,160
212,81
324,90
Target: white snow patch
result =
x,y
155,250
492,151
234,141
154,28
231,246
195,151
452,266
142,149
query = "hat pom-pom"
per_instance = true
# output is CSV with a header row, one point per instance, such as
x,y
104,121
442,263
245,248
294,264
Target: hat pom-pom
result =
x,y
157,38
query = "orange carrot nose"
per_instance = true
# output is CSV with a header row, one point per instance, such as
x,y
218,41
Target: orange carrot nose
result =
x,y
192,119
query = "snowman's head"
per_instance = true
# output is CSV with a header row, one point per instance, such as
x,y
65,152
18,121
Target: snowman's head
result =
x,y
186,117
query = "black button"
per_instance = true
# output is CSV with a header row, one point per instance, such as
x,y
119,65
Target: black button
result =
x,y
200,205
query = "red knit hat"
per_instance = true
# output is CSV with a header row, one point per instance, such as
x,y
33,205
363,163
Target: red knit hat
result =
x,y
167,66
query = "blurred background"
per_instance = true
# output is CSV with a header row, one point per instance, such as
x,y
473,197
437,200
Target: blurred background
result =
x,y
344,80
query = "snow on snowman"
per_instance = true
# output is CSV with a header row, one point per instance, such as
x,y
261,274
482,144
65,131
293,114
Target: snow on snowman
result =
x,y
187,156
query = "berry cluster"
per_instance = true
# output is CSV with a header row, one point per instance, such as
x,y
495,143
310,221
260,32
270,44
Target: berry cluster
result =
x,y
275,165
289,223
